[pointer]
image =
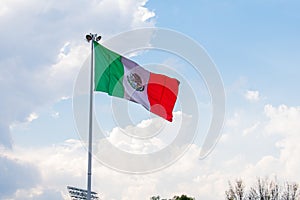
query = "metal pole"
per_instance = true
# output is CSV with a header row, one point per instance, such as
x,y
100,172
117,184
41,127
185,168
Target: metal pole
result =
x,y
89,181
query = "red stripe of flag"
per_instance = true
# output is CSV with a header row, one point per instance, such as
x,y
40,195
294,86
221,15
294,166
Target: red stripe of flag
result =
x,y
162,94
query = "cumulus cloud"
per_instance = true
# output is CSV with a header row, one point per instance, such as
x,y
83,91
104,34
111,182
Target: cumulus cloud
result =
x,y
233,121
281,160
43,47
15,174
251,129
57,167
32,117
39,193
66,163
148,136
252,95
284,121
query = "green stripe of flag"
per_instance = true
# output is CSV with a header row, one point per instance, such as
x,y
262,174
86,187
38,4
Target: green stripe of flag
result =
x,y
109,71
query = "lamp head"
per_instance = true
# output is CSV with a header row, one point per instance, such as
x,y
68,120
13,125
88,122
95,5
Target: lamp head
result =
x,y
88,38
98,38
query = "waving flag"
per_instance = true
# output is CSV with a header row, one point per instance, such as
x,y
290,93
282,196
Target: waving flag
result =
x,y
121,77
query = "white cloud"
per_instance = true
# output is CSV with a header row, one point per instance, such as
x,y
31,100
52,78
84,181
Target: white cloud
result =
x,y
283,119
3,10
280,121
40,193
251,129
144,14
233,121
32,117
66,164
252,95
148,136
16,174
43,47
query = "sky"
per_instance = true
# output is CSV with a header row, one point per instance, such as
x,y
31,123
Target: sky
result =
x,y
254,45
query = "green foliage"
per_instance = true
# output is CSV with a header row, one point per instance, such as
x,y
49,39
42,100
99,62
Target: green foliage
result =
x,y
155,198
183,197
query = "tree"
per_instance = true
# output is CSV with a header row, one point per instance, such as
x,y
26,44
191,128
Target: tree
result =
x,y
155,198
236,192
263,190
291,192
183,197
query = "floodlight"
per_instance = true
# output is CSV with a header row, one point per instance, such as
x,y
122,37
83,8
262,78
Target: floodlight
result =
x,y
80,194
98,38
88,38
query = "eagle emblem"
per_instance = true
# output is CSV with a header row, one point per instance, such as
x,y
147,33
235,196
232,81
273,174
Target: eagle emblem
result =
x,y
135,82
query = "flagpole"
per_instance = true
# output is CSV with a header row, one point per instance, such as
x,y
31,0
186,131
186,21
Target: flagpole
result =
x,y
92,38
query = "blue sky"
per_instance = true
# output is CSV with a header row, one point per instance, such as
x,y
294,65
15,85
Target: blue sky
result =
x,y
254,44
245,39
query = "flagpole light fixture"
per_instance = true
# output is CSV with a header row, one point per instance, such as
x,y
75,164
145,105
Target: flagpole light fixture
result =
x,y
98,38
91,36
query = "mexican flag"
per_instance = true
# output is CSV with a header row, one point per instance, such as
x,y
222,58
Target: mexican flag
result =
x,y
121,77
